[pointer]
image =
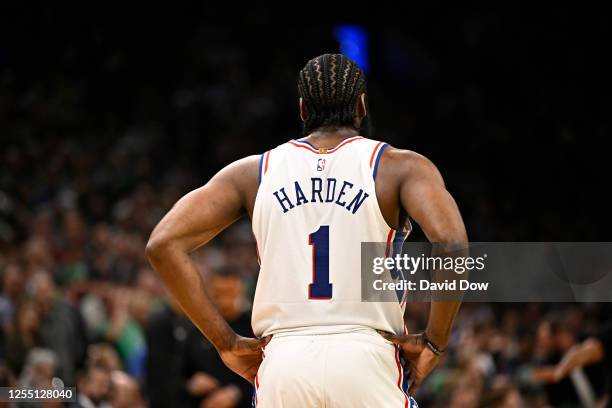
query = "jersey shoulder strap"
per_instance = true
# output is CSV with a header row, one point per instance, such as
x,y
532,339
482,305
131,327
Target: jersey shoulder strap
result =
x,y
372,149
377,151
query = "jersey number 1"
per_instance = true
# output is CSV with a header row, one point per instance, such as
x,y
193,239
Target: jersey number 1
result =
x,y
320,288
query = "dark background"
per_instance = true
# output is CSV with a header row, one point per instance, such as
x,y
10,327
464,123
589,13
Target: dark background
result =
x,y
510,104
109,114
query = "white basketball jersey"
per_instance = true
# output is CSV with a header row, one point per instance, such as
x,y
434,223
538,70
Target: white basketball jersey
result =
x,y
313,210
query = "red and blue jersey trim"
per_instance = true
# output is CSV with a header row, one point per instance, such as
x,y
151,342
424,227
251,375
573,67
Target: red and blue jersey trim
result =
x,y
395,242
261,160
308,146
376,153
254,399
263,165
401,379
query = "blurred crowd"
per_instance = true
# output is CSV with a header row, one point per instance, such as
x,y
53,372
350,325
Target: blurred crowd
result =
x,y
101,132
497,349
79,304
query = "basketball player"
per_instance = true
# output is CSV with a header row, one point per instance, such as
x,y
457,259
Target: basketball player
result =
x,y
312,202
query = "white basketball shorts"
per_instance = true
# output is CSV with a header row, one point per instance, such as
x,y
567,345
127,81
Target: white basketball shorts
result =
x,y
359,369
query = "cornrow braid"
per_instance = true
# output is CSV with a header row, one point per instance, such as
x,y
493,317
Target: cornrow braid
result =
x,y
330,85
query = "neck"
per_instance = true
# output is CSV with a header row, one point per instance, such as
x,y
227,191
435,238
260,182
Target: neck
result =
x,y
330,137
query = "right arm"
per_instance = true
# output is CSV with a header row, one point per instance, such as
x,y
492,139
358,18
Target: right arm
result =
x,y
193,221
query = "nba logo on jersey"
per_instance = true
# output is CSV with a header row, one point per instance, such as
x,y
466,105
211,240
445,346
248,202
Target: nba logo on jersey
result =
x,y
310,218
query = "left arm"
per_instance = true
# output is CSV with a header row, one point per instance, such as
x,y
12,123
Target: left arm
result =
x,y
424,197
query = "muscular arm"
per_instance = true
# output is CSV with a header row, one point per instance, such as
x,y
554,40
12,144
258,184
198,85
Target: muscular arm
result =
x,y
425,198
410,182
193,221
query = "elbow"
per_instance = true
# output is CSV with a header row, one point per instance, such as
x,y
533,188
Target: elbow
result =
x,y
451,239
453,235
451,242
155,247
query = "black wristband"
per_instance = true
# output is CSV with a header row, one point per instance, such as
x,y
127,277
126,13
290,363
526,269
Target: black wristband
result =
x,y
430,345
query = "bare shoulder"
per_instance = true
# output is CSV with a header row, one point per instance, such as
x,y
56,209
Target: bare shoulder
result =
x,y
244,169
243,176
407,164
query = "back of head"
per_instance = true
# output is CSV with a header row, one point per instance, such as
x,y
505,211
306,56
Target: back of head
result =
x,y
330,86
125,392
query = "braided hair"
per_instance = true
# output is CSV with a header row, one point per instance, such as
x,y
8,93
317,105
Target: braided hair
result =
x,y
330,86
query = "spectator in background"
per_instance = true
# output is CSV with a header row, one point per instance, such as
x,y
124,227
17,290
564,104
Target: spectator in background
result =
x,y
595,349
125,332
103,356
12,293
61,328
93,388
23,336
93,308
37,251
166,334
6,377
555,339
240,251
125,392
6,380
502,396
466,387
39,370
208,381
70,250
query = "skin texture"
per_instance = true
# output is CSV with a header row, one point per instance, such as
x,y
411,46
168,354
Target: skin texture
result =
x,y
588,352
407,184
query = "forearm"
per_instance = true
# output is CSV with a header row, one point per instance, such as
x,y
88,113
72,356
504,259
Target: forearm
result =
x,y
445,304
441,317
586,353
427,201
182,278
